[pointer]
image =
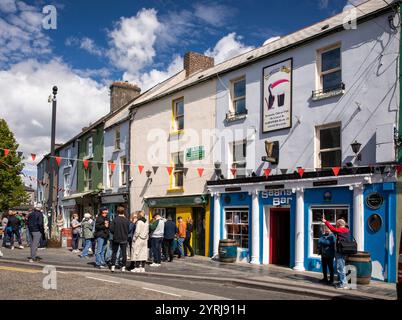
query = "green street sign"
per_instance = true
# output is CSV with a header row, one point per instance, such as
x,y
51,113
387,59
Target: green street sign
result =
x,y
195,153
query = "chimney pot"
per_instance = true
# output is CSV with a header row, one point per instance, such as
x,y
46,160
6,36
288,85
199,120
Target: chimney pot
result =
x,y
122,92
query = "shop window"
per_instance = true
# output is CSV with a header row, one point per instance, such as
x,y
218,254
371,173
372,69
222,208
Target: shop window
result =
x,y
328,145
239,152
161,211
236,222
331,214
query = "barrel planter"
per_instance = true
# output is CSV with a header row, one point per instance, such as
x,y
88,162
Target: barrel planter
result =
x,y
362,262
227,250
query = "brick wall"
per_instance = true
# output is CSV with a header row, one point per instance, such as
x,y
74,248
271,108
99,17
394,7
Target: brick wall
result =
x,y
194,62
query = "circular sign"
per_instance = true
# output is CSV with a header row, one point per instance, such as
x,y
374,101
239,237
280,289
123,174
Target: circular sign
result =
x,y
152,202
374,222
374,200
197,200
227,199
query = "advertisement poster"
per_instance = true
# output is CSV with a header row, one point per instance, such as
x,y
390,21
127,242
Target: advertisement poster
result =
x,y
277,96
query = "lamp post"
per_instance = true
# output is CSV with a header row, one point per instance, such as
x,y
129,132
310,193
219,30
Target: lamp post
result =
x,y
52,160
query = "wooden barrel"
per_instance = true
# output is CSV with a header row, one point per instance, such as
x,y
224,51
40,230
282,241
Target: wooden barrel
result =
x,y
362,262
227,250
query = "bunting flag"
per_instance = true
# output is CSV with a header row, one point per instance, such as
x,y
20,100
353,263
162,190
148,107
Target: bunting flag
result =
x,y
154,169
336,170
200,171
170,170
58,160
284,171
33,156
300,170
112,166
6,152
234,171
398,169
140,168
267,171
85,163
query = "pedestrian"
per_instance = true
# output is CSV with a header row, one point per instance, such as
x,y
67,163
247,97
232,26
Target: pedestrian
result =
x,y
22,225
101,236
341,233
36,229
140,248
131,230
119,228
156,229
76,229
326,248
87,233
168,238
27,235
187,240
91,250
13,228
181,234
4,222
44,237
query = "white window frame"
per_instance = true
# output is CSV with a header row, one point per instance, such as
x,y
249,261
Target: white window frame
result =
x,y
320,73
318,151
175,117
335,206
177,170
117,139
232,156
240,210
232,93
68,153
87,180
109,175
66,184
123,171
161,211
89,151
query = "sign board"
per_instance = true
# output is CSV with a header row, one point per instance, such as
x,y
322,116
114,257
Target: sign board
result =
x,y
195,153
277,96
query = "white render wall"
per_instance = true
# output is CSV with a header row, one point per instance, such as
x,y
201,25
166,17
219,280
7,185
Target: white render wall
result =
x,y
369,70
150,131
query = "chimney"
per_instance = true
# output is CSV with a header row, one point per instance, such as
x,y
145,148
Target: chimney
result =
x,y
121,93
194,62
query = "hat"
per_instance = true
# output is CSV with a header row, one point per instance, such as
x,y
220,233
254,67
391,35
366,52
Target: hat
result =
x,y
104,209
87,215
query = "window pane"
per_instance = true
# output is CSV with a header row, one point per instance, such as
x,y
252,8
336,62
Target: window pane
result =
x,y
236,217
229,217
244,217
315,246
331,159
240,106
244,230
329,215
244,243
180,123
179,108
342,214
331,81
239,88
179,178
317,230
331,59
317,215
230,229
239,152
330,138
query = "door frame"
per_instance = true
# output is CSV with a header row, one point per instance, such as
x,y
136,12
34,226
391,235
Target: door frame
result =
x,y
267,232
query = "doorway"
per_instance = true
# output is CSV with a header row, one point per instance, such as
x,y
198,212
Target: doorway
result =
x,y
279,236
198,236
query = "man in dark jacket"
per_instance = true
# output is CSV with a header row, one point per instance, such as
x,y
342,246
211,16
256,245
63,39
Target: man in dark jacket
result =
x,y
36,230
119,228
169,233
14,226
101,236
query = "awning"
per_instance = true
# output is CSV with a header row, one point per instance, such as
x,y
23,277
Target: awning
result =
x,y
114,198
197,200
79,195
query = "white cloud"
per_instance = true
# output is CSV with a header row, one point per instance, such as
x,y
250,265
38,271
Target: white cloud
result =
x,y
24,91
86,44
8,6
228,47
214,14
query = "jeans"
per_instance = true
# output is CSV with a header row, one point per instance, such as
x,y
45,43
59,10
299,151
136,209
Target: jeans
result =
x,y
100,251
180,242
88,244
28,236
109,252
17,236
156,245
35,237
340,268
76,237
328,263
168,248
187,246
123,248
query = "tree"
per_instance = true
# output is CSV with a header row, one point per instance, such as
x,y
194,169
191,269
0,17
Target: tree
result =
x,y
12,191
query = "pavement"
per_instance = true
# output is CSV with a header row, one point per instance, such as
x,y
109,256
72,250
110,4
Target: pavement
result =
x,y
200,269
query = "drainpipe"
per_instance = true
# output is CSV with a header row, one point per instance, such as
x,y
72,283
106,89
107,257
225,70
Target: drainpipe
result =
x,y
358,217
299,236
130,120
217,224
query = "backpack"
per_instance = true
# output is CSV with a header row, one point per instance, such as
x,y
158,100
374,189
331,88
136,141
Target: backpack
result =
x,y
346,244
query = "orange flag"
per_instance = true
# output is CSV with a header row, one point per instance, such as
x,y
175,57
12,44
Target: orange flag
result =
x,y
336,170
169,169
33,155
140,168
200,171
300,170
112,166
234,171
58,160
267,171
85,163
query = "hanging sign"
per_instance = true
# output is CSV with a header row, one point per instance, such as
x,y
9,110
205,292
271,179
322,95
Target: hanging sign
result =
x,y
195,153
277,96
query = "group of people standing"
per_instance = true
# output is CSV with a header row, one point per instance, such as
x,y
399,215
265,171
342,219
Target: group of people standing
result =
x,y
134,238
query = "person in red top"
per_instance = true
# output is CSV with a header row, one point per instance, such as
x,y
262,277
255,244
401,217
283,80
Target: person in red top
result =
x,y
341,231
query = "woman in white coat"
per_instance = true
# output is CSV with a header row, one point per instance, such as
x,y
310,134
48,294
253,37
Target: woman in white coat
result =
x,y
139,252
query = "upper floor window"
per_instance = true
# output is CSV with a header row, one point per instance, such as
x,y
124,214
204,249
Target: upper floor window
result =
x,y
68,155
89,146
117,139
88,178
177,159
110,174
123,171
66,185
239,153
178,114
239,96
330,69
329,151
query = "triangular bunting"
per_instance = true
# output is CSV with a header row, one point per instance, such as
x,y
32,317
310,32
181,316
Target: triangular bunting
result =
x,y
33,156
234,171
300,170
112,166
58,160
336,170
267,171
85,163
200,171
170,170
185,170
140,168
154,169
6,152
284,171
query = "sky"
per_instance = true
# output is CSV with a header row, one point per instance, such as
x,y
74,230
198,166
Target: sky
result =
x,y
98,42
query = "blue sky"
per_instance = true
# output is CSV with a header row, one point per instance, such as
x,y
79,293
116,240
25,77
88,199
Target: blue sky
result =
x,y
97,42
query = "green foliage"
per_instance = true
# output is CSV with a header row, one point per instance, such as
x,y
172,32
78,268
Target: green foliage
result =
x,y
12,191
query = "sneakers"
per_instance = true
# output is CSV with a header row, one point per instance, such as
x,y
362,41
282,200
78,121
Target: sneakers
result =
x,y
135,270
154,265
21,247
341,287
1,254
83,257
142,270
12,248
31,260
112,268
100,267
75,251
123,269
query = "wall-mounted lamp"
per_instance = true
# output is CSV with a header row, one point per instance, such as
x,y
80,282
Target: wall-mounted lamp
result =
x,y
356,148
218,170
148,174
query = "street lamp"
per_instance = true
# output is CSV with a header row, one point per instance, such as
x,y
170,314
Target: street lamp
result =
x,y
52,156
356,148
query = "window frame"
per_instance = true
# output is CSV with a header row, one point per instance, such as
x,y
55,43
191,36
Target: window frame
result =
x,y
239,210
117,139
318,149
110,184
68,154
320,73
244,143
66,186
177,170
175,117
311,253
88,179
89,154
123,173
235,99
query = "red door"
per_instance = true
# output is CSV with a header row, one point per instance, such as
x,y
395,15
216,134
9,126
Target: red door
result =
x,y
279,240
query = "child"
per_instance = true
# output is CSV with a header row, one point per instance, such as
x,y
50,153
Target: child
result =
x,y
326,248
